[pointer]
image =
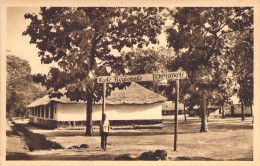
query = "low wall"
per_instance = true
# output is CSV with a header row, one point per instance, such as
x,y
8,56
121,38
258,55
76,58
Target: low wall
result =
x,y
44,122
131,122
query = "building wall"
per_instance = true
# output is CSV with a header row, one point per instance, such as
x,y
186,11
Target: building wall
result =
x,y
56,112
227,109
70,112
44,120
129,112
169,105
237,109
213,112
77,112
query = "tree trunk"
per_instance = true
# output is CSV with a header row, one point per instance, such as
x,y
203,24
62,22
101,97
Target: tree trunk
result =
x,y
242,111
185,118
223,111
204,116
89,118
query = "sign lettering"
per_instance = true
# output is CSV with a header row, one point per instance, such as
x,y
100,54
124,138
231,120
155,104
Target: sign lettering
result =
x,y
142,77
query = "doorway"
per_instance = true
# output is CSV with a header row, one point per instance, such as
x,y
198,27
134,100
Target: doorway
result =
x,y
232,110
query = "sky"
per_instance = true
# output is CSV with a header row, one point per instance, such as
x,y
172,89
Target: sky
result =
x,y
19,45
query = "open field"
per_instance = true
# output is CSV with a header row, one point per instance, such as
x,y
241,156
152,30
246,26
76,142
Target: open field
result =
x,y
228,139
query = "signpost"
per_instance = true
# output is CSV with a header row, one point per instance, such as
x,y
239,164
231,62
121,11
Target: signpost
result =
x,y
142,78
104,99
176,115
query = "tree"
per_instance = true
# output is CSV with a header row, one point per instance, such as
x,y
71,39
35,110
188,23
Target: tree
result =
x,y
83,41
147,61
20,90
156,60
226,88
243,58
200,38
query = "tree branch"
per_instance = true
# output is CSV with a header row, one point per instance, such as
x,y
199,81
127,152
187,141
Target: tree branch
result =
x,y
93,49
226,32
96,40
209,54
227,22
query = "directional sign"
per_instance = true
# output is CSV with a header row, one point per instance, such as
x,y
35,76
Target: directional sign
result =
x,y
142,77
146,77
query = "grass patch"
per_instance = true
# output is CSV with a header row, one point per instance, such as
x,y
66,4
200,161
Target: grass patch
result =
x,y
35,141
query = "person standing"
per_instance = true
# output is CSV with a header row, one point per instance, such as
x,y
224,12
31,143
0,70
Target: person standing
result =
x,y
104,129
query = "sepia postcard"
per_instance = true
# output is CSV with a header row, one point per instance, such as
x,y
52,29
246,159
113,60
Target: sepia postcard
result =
x,y
136,82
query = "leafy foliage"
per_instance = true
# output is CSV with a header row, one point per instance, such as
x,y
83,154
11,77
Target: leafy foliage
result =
x,y
81,40
151,60
20,90
200,37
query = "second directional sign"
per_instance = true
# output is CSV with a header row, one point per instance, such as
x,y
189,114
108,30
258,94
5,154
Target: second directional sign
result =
x,y
142,77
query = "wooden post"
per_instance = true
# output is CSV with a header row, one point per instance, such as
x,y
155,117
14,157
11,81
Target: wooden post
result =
x,y
176,115
223,111
104,99
185,118
242,110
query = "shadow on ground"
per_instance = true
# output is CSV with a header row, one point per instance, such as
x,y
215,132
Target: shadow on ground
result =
x,y
18,156
33,140
25,156
195,158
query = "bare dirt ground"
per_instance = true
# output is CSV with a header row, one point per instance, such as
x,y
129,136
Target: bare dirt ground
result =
x,y
228,139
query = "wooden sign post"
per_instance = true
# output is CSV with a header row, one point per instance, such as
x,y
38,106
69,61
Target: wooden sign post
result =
x,y
104,100
176,115
142,78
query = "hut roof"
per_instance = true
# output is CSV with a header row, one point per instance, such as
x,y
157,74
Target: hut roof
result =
x,y
134,94
46,100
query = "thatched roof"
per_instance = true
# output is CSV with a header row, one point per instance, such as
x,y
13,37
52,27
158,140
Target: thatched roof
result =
x,y
134,94
46,100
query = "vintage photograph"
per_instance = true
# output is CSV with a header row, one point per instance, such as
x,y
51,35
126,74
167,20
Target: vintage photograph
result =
x,y
129,83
